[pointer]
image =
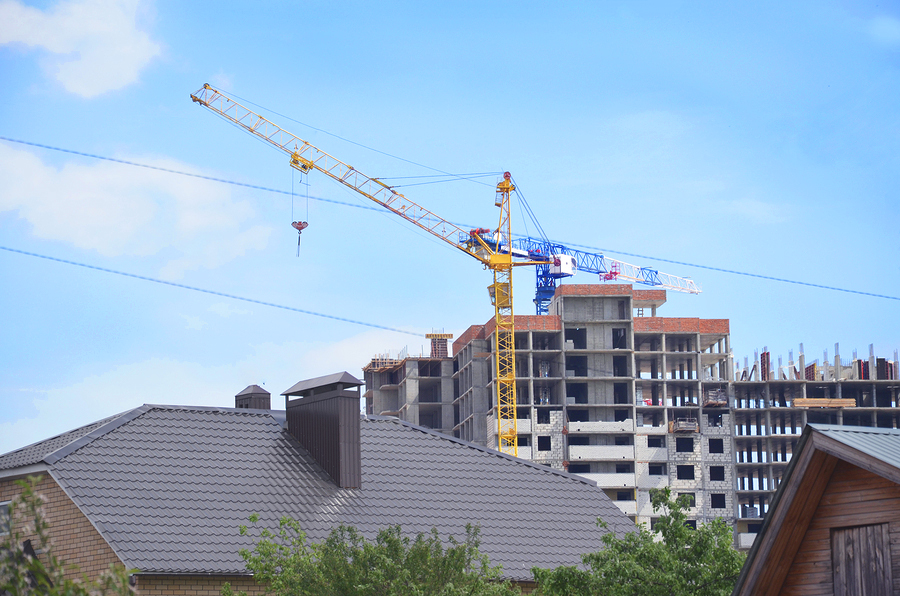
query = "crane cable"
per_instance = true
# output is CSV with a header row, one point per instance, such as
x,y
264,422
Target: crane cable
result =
x,y
331,134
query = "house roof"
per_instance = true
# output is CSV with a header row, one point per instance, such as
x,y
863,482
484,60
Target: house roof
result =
x,y
168,487
36,452
341,377
882,444
820,447
252,390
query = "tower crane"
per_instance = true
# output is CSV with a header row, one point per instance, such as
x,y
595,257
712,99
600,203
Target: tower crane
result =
x,y
489,247
556,261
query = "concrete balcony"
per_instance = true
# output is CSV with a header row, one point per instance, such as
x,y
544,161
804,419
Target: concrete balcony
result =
x,y
647,482
611,480
625,426
525,452
601,452
745,540
627,507
523,426
654,454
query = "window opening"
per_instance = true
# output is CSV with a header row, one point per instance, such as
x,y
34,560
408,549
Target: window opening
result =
x,y
685,472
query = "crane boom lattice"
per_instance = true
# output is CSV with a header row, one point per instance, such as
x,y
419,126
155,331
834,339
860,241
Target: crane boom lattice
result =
x,y
485,245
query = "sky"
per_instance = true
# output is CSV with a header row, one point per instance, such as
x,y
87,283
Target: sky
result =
x,y
691,137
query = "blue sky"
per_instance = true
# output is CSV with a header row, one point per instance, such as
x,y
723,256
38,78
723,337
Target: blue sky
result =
x,y
762,138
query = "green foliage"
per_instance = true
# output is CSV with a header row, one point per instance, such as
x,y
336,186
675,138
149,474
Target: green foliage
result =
x,y
22,574
347,564
671,560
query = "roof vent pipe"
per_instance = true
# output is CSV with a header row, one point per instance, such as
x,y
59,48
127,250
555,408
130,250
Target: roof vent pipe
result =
x,y
253,397
324,418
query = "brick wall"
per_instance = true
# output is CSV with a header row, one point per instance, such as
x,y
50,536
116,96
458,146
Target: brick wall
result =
x,y
680,325
594,290
205,585
194,585
649,295
528,323
473,332
74,539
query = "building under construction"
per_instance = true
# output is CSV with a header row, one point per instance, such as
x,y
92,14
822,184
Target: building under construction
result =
x,y
609,390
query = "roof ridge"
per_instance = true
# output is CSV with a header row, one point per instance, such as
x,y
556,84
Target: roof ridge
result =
x,y
854,429
518,460
114,423
254,411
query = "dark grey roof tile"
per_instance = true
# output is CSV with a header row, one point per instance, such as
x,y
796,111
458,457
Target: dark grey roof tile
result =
x,y
36,452
170,487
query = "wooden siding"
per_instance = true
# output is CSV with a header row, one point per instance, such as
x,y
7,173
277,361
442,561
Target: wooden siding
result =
x,y
861,559
789,522
853,497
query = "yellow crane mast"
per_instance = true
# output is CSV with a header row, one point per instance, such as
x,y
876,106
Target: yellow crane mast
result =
x,y
491,248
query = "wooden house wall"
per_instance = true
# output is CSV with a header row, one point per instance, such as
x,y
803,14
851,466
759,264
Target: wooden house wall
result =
x,y
853,497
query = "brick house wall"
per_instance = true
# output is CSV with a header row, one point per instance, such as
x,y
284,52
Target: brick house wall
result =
x,y
75,540
211,585
194,585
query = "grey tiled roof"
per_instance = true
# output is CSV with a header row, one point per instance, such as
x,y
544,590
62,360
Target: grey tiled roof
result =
x,y
169,486
880,443
36,452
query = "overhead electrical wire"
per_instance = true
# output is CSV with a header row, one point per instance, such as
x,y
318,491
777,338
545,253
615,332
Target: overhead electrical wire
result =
x,y
734,272
331,134
182,173
205,291
379,209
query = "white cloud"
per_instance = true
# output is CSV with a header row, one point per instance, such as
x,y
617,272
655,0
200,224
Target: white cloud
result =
x,y
93,46
193,323
116,209
220,80
885,30
219,251
226,310
276,366
755,211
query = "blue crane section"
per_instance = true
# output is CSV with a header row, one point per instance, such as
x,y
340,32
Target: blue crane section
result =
x,y
556,261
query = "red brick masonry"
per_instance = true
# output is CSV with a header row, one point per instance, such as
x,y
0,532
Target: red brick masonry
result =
x,y
680,325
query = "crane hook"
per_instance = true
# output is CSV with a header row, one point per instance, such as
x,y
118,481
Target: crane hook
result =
x,y
299,226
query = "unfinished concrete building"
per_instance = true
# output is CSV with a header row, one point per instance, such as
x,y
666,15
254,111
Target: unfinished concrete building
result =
x,y
415,389
609,390
602,391
772,404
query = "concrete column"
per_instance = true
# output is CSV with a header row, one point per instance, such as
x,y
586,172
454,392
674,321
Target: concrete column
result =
x,y
837,364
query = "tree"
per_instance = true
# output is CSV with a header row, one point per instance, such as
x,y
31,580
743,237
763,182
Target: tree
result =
x,y
28,565
672,560
347,564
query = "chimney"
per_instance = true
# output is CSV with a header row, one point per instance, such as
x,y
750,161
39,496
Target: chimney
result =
x,y
324,418
253,397
439,344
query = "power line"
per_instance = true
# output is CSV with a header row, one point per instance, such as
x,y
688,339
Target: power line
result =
x,y
380,210
182,173
744,273
204,291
